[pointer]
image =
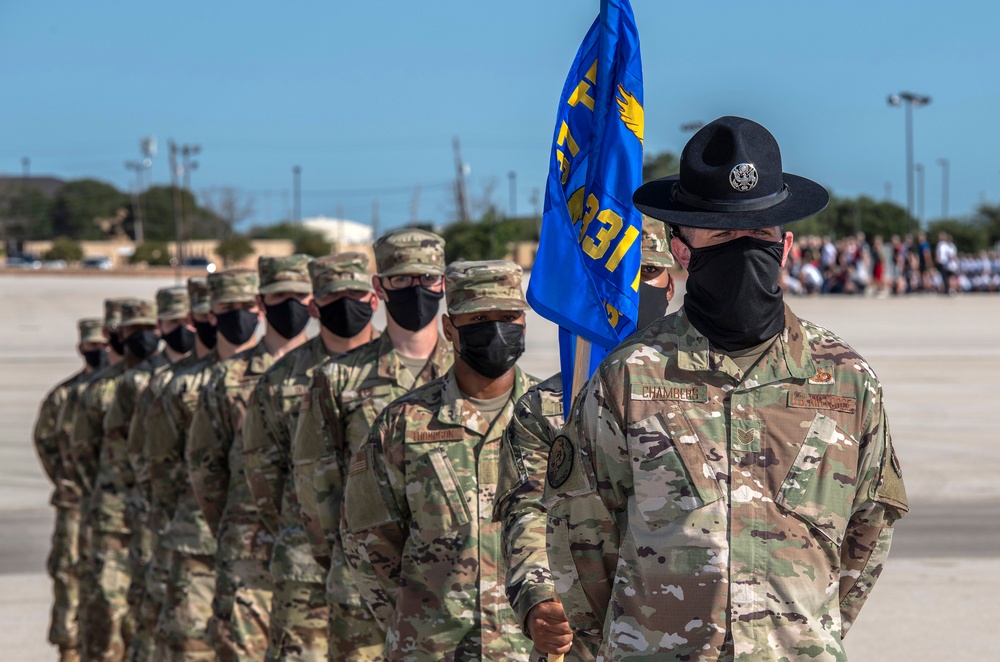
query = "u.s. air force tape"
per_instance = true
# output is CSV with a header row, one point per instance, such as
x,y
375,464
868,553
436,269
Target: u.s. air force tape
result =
x,y
560,461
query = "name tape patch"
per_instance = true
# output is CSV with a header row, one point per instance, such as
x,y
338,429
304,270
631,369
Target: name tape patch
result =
x,y
823,401
660,392
424,436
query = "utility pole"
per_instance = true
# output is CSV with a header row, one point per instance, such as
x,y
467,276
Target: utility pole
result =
x,y
512,178
340,227
297,193
136,167
460,195
187,151
945,167
375,233
174,173
888,191
909,100
919,169
415,206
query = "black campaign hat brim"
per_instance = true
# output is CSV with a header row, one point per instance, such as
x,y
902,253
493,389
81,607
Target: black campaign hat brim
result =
x,y
805,198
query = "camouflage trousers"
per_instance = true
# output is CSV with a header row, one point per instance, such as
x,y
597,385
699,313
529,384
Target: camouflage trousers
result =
x,y
63,562
241,611
355,635
181,629
146,597
106,629
299,621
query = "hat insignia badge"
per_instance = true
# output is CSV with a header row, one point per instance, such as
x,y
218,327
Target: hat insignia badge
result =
x,y
743,176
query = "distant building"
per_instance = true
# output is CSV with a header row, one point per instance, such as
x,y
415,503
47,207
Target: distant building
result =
x,y
340,232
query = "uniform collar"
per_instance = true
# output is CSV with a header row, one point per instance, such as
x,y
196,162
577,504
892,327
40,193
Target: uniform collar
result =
x,y
790,350
456,409
391,367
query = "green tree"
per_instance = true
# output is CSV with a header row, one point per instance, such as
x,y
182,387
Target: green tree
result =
x,y
154,253
847,216
968,236
66,249
78,207
305,240
312,244
988,218
158,216
24,211
491,238
655,166
234,248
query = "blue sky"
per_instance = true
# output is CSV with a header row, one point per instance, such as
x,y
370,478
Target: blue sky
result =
x,y
367,96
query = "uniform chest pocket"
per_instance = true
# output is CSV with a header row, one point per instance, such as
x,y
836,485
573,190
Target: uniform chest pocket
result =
x,y
670,472
821,483
291,398
434,492
361,411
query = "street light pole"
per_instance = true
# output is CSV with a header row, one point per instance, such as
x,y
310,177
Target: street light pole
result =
x,y
909,100
945,166
512,178
297,192
919,169
137,167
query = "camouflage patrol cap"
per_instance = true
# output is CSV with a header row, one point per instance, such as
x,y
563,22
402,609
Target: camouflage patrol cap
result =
x,y
233,286
655,244
138,311
485,285
409,251
113,313
198,295
91,330
338,273
284,274
172,303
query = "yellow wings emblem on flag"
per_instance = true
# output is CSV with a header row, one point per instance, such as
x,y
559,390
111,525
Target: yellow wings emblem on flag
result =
x,y
631,112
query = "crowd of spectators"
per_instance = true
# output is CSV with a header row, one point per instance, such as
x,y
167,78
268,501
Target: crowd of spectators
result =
x,y
901,265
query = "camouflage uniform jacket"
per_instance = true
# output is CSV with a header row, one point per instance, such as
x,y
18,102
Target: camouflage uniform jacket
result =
x,y
749,515
50,444
215,457
345,397
418,530
524,456
115,461
166,441
267,440
105,510
148,415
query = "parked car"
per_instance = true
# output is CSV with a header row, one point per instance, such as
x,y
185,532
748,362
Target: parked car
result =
x,y
54,264
23,261
96,262
200,263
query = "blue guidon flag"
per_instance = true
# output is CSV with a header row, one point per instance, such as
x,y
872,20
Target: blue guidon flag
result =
x,y
586,273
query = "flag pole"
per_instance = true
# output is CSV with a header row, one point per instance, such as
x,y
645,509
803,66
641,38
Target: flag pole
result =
x,y
581,366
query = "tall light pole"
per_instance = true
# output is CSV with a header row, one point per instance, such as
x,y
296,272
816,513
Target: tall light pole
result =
x,y
512,178
909,100
945,166
188,165
137,168
919,169
297,193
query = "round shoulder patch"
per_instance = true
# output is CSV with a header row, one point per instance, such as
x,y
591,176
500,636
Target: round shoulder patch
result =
x,y
560,461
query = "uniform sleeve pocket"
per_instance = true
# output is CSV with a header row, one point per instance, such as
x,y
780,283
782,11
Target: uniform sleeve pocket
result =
x,y
437,502
510,476
364,502
819,487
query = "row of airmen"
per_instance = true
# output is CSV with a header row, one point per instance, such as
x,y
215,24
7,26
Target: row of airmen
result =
x,y
344,497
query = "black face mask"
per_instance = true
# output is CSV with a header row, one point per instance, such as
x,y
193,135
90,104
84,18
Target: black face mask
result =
x,y
491,348
345,317
237,326
142,344
414,307
116,343
652,304
733,296
206,333
94,357
288,317
181,340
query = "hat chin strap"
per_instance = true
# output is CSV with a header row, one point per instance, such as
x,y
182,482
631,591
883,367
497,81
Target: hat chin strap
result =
x,y
678,194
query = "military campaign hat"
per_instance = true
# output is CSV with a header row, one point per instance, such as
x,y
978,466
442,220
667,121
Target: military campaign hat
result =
x,y
113,312
91,330
409,251
172,303
284,274
138,311
485,285
655,244
730,178
198,295
233,286
338,273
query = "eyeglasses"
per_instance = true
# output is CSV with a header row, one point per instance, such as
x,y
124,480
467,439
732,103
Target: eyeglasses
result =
x,y
403,281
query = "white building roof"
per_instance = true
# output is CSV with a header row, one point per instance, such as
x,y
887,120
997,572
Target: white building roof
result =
x,y
340,230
